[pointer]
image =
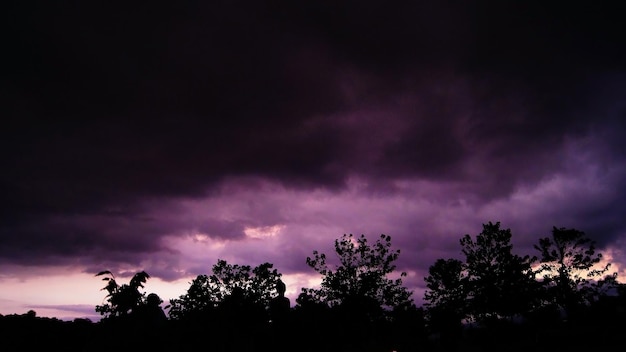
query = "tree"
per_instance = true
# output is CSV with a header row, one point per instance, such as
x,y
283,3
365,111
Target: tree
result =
x,y
231,303
197,301
122,299
446,284
571,270
362,300
500,284
255,286
446,292
445,298
361,276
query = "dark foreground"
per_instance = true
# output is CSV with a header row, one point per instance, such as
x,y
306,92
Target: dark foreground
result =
x,y
28,332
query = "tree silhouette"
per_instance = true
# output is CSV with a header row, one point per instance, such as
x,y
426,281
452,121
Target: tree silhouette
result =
x,y
446,285
493,286
254,286
445,297
358,291
350,311
569,268
232,303
196,301
361,275
500,284
492,283
121,299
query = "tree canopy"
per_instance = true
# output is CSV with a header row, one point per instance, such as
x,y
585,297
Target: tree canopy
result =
x,y
121,300
254,286
362,274
500,282
492,283
571,269
362,296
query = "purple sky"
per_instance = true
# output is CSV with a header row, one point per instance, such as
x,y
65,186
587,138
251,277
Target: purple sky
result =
x,y
165,137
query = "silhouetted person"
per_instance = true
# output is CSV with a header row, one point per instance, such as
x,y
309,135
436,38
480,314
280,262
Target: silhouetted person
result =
x,y
147,324
280,307
151,315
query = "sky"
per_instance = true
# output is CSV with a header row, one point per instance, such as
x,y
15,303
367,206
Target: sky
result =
x,y
163,136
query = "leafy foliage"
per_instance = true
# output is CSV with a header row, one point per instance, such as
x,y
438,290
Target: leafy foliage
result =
x,y
445,296
255,286
122,299
492,283
569,268
361,275
445,283
500,283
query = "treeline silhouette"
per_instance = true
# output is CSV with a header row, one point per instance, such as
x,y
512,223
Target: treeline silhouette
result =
x,y
564,298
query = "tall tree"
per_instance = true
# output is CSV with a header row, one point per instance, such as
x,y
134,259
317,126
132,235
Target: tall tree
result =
x,y
362,299
446,284
445,297
571,269
500,284
361,275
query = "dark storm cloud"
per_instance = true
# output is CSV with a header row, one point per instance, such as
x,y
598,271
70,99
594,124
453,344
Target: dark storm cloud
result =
x,y
108,106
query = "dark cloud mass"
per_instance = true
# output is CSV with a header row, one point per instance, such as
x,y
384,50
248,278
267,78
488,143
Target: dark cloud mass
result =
x,y
125,126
